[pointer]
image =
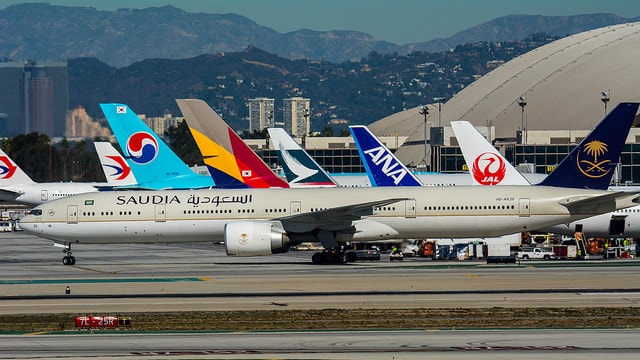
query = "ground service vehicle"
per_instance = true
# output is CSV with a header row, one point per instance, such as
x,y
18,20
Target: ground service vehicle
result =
x,y
536,253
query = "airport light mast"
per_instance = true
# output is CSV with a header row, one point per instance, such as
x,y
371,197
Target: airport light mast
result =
x,y
523,102
425,111
605,99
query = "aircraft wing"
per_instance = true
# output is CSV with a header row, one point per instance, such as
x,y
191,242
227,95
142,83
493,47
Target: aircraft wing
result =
x,y
604,203
11,192
333,218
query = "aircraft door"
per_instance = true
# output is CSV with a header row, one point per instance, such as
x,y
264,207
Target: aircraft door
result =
x,y
617,225
524,208
44,195
410,208
161,213
72,214
295,207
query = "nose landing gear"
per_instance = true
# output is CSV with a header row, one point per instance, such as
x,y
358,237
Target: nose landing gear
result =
x,y
68,259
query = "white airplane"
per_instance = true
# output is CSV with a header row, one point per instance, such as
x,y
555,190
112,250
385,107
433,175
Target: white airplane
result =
x,y
17,187
254,222
490,168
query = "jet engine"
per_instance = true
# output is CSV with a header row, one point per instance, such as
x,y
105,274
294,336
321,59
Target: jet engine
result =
x,y
255,238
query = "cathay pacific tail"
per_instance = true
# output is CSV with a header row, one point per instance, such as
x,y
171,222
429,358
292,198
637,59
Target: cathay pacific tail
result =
x,y
299,168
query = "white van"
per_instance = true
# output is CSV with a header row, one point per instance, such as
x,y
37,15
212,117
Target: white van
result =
x,y
5,226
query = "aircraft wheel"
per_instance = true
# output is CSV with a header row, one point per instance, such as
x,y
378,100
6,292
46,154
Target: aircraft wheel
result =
x,y
72,260
66,260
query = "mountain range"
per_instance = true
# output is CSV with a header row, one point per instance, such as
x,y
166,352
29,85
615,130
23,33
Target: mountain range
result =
x,y
40,31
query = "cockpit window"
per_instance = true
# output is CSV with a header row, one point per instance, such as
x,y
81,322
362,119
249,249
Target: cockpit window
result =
x,y
88,202
36,212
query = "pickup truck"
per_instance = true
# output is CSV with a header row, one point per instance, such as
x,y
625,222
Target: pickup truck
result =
x,y
536,253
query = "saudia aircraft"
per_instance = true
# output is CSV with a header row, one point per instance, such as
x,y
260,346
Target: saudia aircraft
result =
x,y
17,187
155,165
254,222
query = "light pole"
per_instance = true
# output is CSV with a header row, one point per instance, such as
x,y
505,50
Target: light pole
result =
x,y
523,102
425,111
439,100
605,99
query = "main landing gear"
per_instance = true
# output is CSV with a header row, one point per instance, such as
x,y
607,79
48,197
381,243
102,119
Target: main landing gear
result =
x,y
334,255
68,259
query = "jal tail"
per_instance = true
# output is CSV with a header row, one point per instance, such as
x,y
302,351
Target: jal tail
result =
x,y
486,164
153,163
382,167
298,166
115,167
11,173
230,161
591,164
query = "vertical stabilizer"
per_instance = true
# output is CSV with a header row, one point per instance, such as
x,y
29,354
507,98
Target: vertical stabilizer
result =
x,y
382,167
231,162
154,164
298,166
115,167
591,164
486,165
11,173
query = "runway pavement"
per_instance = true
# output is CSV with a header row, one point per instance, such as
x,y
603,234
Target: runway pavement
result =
x,y
413,344
161,277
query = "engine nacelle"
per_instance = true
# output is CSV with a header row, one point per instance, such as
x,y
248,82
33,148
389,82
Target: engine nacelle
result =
x,y
255,238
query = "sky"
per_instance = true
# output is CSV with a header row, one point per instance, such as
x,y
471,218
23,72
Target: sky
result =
x,y
397,21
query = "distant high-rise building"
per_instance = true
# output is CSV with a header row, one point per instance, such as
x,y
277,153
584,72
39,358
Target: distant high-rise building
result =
x,y
34,96
260,113
296,116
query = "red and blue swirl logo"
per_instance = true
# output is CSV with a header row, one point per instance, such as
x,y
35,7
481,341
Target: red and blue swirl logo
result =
x,y
142,148
122,169
7,168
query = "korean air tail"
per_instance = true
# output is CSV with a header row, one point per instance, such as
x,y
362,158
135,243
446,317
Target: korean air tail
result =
x,y
115,167
154,164
382,167
486,165
299,167
591,164
10,173
231,162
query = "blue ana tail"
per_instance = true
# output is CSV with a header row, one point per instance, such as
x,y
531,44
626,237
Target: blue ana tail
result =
x,y
154,164
591,164
382,167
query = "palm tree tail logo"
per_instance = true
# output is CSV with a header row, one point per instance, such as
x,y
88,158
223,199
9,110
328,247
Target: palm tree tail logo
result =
x,y
588,160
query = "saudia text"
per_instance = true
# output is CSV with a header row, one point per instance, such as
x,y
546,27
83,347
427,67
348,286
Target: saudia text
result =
x,y
175,199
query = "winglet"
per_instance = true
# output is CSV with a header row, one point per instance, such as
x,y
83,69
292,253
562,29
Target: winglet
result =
x,y
11,173
231,162
115,167
382,167
486,165
299,167
591,164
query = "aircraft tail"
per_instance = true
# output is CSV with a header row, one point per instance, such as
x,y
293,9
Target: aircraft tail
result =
x,y
382,167
154,164
486,165
231,162
11,173
299,167
591,164
115,167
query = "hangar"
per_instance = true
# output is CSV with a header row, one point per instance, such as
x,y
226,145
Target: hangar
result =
x,y
566,86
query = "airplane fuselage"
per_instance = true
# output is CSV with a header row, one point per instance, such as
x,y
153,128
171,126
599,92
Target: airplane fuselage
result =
x,y
201,215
